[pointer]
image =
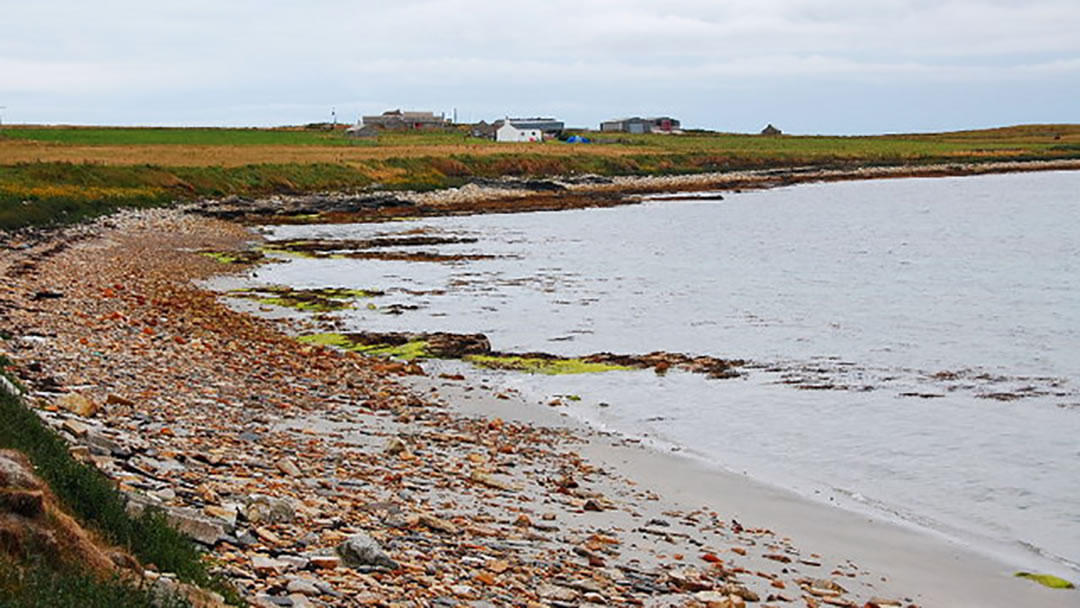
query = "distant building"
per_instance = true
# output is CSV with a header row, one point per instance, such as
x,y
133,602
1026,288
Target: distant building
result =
x,y
771,130
482,130
361,130
509,132
636,124
547,126
396,120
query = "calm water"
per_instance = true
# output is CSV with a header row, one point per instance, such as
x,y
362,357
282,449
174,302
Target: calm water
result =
x,y
951,289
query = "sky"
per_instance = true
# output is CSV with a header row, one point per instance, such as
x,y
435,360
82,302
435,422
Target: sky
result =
x,y
807,66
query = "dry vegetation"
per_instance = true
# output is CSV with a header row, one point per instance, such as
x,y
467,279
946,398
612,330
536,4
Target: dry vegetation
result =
x,y
50,174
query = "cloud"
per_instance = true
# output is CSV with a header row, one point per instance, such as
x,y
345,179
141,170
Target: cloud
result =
x,y
196,57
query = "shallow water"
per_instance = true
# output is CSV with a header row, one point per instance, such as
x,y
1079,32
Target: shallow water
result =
x,y
955,289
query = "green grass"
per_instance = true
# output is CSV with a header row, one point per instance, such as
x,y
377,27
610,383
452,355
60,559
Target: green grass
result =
x,y
92,498
113,136
37,194
42,193
34,585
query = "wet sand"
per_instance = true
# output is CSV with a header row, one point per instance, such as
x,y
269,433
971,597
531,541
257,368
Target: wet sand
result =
x,y
477,498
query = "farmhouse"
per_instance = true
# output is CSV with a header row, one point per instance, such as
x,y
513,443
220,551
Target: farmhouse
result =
x,y
547,126
636,124
527,129
396,120
509,132
771,130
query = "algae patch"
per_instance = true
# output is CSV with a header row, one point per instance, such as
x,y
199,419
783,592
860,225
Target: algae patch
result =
x,y
1047,580
408,351
236,257
543,365
327,299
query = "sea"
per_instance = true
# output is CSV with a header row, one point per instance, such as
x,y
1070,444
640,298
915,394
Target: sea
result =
x,y
913,344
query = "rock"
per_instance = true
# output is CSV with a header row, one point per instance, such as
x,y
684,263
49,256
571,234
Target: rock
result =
x,y
303,587
689,579
739,590
395,446
288,467
439,525
267,566
118,400
75,427
457,346
716,599
228,515
488,480
262,509
268,536
324,562
105,445
196,525
362,550
299,601
297,562
558,593
78,404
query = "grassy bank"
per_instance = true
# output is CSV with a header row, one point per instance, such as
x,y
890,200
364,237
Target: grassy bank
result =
x,y
61,175
97,504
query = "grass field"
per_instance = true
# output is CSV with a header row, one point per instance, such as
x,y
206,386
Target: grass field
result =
x,y
63,174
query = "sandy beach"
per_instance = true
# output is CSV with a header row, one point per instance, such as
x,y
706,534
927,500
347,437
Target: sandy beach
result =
x,y
274,454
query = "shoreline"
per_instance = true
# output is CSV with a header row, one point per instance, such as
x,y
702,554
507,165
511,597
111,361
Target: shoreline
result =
x,y
908,556
516,195
956,577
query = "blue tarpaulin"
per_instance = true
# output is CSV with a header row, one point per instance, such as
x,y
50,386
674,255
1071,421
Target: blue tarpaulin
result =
x,y
577,139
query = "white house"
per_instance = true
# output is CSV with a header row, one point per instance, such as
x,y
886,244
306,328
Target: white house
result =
x,y
508,132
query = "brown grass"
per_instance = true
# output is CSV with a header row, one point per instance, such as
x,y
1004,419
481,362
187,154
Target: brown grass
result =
x,y
174,155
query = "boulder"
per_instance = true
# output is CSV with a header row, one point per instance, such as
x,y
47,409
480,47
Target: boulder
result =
x,y
361,550
78,404
262,509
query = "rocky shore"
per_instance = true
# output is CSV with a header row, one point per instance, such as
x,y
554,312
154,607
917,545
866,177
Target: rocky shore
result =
x,y
512,194
314,476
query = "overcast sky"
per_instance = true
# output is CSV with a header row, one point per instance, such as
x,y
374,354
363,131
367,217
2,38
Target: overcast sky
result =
x,y
808,66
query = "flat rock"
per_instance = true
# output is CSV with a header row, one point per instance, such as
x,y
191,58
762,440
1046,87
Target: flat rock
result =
x,y
267,566
288,467
196,525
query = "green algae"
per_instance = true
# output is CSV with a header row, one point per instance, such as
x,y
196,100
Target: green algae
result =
x,y
326,299
408,351
1047,580
236,257
543,365
328,339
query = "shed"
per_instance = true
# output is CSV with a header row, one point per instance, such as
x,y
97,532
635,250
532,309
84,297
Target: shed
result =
x,y
482,129
771,130
637,125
